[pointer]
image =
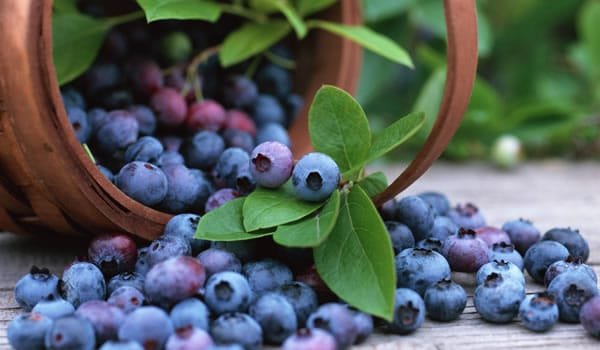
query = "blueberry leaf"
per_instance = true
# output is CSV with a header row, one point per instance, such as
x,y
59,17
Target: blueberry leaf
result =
x,y
225,224
373,184
180,9
265,208
395,134
292,16
251,39
368,39
357,261
587,24
310,231
338,126
65,6
308,7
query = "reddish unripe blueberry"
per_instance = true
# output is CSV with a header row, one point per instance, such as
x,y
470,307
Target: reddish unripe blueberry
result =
x,y
219,198
113,253
590,316
170,107
174,280
492,235
104,317
465,252
208,115
271,164
147,78
240,120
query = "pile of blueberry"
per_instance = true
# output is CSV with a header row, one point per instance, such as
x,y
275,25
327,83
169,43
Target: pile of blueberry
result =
x,y
167,124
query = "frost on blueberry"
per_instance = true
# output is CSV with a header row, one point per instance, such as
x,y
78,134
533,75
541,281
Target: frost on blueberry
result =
x,y
315,177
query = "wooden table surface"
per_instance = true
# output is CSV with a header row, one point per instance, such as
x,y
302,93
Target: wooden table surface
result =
x,y
551,193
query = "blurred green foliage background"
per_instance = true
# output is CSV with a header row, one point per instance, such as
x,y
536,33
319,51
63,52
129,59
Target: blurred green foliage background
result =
x,y
538,77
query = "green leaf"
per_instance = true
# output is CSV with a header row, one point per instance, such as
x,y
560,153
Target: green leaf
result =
x,y
292,16
374,184
378,10
308,7
180,9
76,40
310,231
395,134
367,38
357,261
588,29
338,127
225,224
65,6
266,208
251,39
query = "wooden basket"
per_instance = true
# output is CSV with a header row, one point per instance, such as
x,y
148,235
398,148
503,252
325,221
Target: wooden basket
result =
x,y
47,182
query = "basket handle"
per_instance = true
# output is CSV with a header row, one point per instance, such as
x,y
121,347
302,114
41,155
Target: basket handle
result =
x,y
461,24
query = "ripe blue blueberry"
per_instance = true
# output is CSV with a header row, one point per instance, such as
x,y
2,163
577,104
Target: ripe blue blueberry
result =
x,y
466,216
121,345
266,109
266,275
432,244
401,236
238,138
409,312
217,260
70,332
237,328
271,164
239,91
106,172
508,270
233,169
541,255
244,250
145,149
80,123
590,316
497,299
190,313
173,280
219,198
53,307
310,339
492,235
276,317
183,191
275,80
538,312
364,326
189,338
443,227
145,118
165,247
568,264
142,265
571,239
144,182
227,292
418,268
27,331
203,150
35,286
387,210
571,289
506,252
465,252
438,201
72,98
148,325
273,132
315,177
82,282
293,103
113,253
445,300
126,298
338,320
132,279
184,226
104,317
170,158
417,214
120,130
522,234
302,298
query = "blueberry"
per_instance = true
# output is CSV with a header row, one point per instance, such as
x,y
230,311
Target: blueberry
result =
x,y
145,149
238,138
219,198
117,133
82,282
171,143
189,338
572,289
237,328
541,255
508,270
206,115
271,164
315,177
417,214
443,227
302,298
445,300
189,313
310,339
115,99
273,132
126,298
184,226
227,292
72,98
70,332
590,316
148,325
203,150
266,110
465,252
145,117
121,345
183,191
35,286
176,47
226,347
467,216
239,120
217,260
274,80
276,317
173,280
132,279
387,211
364,326
570,263
538,312
492,235
97,118
506,252
401,236
266,275
113,253
106,172
571,239
233,168
53,307
147,78
27,331
170,107
100,78
239,91
418,268
170,158
244,250
143,182
142,265
409,312
293,105
104,317
432,244
338,320
497,299
438,201
80,123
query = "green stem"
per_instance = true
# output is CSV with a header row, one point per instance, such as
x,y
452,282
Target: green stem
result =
x,y
280,61
114,21
241,11
253,67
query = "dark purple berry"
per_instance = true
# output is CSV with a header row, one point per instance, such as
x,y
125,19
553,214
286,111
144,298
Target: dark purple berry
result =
x,y
239,139
232,169
522,234
220,197
173,280
147,78
401,236
113,253
492,235
590,316
465,252
205,115
266,275
104,317
438,201
266,109
183,189
239,120
185,226
170,107
120,131
239,91
302,298
274,80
